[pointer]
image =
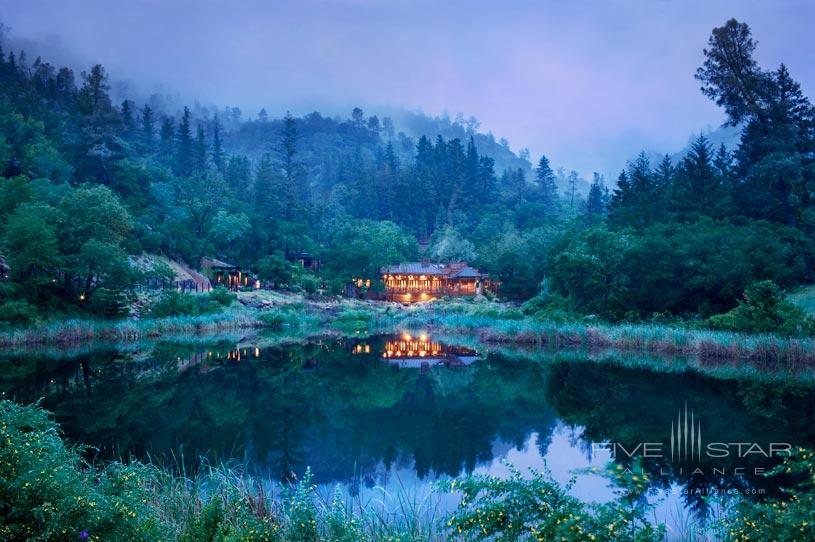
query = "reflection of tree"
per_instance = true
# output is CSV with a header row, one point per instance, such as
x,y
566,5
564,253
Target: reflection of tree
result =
x,y
630,406
349,416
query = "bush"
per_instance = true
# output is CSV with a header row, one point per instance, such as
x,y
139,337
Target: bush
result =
x,y
222,296
110,303
279,318
175,303
18,313
48,493
763,309
355,319
538,508
789,518
310,283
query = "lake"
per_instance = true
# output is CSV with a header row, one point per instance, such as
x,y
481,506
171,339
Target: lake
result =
x,y
388,415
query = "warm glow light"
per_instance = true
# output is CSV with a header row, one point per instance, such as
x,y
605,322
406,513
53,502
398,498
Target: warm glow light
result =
x,y
423,337
82,297
406,337
257,352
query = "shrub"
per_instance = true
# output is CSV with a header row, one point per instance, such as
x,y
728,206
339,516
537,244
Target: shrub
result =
x,y
537,507
279,318
174,303
310,283
50,494
355,319
790,518
110,303
18,313
763,309
222,296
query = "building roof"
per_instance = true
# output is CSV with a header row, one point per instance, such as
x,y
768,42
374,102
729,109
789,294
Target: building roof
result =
x,y
213,262
467,273
413,268
453,271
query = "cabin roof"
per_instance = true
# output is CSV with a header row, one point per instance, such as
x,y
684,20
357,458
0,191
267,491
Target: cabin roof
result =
x,y
214,262
453,271
467,273
413,268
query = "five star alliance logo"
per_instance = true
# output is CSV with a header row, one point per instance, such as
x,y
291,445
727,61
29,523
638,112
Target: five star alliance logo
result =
x,y
686,437
685,446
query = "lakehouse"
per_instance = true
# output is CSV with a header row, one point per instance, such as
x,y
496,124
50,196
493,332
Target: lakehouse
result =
x,y
227,275
422,281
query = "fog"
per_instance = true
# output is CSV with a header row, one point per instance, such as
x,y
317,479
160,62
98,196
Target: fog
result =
x,y
588,83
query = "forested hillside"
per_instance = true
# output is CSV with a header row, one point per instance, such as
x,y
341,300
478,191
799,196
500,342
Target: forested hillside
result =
x,y
88,183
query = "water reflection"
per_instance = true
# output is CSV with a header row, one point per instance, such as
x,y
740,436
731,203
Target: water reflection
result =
x,y
418,351
357,412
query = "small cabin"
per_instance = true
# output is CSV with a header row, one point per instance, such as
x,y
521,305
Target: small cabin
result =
x,y
229,276
306,260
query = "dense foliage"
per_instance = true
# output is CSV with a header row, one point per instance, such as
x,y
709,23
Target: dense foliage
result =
x,y
87,184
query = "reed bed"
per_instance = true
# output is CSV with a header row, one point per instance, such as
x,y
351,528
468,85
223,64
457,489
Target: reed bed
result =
x,y
760,351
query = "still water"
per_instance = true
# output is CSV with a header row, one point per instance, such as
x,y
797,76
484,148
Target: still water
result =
x,y
388,415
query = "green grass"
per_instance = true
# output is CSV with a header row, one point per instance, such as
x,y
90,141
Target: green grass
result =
x,y
764,352
488,323
804,297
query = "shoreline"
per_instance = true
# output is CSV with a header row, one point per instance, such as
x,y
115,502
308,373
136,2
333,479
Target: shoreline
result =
x,y
489,324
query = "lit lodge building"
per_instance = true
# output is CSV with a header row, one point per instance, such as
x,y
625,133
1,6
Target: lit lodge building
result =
x,y
423,281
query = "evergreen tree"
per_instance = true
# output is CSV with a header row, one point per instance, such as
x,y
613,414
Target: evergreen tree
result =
x,y
698,189
148,128
127,119
545,185
595,201
184,145
218,159
166,144
295,187
199,157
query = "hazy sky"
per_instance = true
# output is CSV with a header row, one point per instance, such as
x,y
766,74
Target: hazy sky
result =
x,y
589,83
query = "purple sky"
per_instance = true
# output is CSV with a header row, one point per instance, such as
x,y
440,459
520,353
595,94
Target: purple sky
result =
x,y
589,83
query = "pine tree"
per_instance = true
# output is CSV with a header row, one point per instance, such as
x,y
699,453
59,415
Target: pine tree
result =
x,y
595,201
199,156
217,147
697,190
184,145
127,119
166,144
573,177
545,185
295,187
148,128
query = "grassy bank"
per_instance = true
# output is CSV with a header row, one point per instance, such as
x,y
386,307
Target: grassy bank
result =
x,y
494,324
488,323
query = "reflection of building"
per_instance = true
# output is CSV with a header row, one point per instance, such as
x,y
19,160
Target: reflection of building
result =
x,y
419,351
